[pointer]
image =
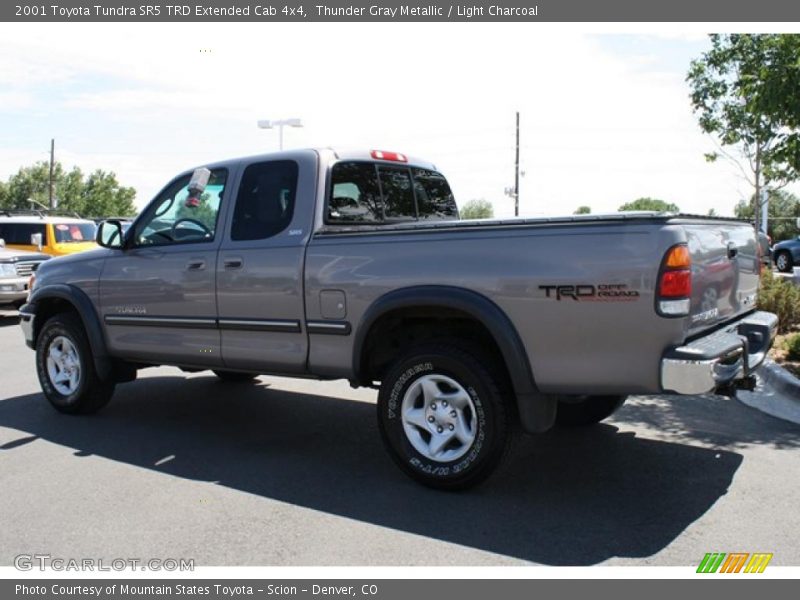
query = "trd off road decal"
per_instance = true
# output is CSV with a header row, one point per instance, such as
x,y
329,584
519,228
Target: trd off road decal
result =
x,y
604,292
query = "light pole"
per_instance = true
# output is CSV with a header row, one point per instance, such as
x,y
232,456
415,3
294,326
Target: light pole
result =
x,y
279,123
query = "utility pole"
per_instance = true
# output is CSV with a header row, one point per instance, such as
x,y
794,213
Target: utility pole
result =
x,y
52,163
516,174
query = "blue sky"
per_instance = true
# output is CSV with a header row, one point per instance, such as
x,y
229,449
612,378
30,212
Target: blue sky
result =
x,y
605,118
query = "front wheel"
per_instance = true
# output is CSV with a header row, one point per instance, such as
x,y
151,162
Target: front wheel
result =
x,y
443,416
783,262
581,411
66,370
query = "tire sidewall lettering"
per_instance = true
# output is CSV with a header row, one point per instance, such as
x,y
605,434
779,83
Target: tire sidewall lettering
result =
x,y
414,459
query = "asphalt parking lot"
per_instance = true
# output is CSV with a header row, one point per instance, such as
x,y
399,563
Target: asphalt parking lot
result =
x,y
291,472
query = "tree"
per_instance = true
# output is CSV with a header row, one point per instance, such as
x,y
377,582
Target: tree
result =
x,y
97,195
744,92
712,212
650,204
784,209
583,210
477,209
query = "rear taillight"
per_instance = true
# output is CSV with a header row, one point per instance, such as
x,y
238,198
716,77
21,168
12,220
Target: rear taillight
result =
x,y
673,294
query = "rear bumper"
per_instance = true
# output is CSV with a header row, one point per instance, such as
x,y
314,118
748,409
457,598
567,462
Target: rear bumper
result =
x,y
720,358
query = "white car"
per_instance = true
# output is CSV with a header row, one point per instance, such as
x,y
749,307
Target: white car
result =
x,y
16,268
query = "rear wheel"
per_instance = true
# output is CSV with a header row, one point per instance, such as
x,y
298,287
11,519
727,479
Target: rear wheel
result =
x,y
443,415
65,367
783,262
581,411
235,376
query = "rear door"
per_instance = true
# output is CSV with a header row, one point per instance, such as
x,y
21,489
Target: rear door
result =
x,y
260,266
725,269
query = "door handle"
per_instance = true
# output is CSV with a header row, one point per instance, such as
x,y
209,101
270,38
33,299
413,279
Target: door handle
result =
x,y
196,264
233,263
732,250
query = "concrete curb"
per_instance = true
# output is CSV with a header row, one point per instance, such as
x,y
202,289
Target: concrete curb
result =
x,y
778,393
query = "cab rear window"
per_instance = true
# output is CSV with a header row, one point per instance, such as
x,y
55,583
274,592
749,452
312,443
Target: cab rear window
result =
x,y
369,193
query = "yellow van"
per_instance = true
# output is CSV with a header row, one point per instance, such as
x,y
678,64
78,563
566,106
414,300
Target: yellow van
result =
x,y
42,232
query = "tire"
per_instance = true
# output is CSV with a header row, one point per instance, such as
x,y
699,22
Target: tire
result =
x,y
587,410
414,419
66,369
235,376
783,262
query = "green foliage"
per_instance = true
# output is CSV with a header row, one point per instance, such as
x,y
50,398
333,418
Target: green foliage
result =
x,y
744,92
583,210
792,344
477,209
650,204
97,195
784,209
712,212
782,297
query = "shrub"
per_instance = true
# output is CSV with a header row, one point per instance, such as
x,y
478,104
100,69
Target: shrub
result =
x,y
782,297
793,347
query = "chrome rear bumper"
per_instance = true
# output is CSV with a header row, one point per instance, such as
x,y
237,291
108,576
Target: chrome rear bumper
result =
x,y
720,358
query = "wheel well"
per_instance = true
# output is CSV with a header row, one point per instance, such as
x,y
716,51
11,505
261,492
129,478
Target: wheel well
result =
x,y
48,308
401,328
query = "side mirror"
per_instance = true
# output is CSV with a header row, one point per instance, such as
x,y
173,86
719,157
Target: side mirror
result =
x,y
36,240
109,234
2,243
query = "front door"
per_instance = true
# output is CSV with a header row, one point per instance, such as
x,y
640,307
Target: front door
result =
x,y
157,295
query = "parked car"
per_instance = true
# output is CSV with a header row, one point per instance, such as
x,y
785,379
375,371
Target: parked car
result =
x,y
16,268
786,254
43,231
335,265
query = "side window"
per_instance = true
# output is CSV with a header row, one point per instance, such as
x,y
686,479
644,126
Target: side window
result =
x,y
434,199
398,197
20,233
355,196
265,203
176,217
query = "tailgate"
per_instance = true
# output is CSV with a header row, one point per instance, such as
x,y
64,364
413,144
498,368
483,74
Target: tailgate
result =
x,y
725,271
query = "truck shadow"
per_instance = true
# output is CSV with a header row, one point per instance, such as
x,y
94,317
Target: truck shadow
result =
x,y
569,497
717,420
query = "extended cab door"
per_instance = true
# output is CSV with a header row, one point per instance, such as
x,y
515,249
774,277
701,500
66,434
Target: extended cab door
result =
x,y
157,295
260,266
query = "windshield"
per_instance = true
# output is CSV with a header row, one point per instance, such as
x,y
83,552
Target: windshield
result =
x,y
74,232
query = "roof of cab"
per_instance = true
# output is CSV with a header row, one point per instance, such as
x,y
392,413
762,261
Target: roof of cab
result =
x,y
329,154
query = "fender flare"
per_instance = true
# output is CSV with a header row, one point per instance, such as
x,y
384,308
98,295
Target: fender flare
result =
x,y
88,315
536,410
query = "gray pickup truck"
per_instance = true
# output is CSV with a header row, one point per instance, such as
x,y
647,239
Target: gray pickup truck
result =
x,y
332,265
